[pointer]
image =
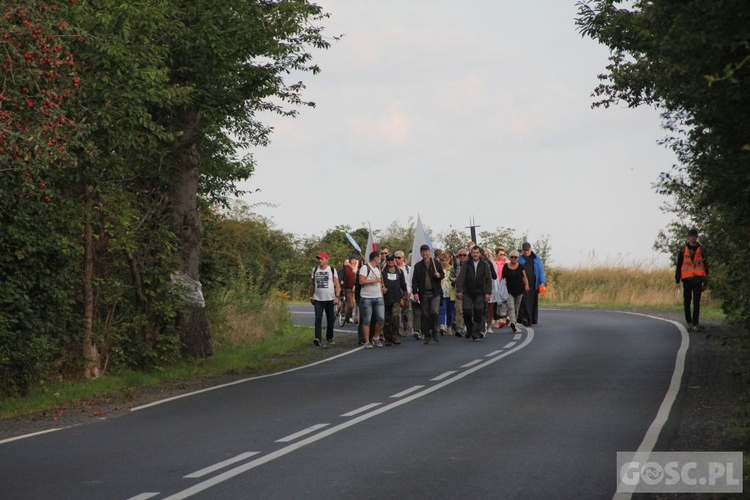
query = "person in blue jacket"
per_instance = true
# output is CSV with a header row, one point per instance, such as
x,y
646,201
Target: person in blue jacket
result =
x,y
532,264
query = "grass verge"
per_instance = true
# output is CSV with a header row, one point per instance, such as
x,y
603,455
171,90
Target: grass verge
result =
x,y
281,351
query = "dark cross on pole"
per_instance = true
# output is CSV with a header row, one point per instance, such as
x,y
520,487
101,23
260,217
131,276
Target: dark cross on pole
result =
x,y
473,228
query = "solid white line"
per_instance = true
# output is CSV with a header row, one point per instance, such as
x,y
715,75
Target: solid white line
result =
x,y
332,430
407,391
471,363
221,465
493,353
509,345
361,410
444,375
236,382
144,496
31,435
652,434
301,433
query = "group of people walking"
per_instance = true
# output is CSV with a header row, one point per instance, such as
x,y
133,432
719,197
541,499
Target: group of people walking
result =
x,y
464,294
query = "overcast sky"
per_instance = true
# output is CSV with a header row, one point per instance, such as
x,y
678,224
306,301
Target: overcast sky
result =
x,y
453,110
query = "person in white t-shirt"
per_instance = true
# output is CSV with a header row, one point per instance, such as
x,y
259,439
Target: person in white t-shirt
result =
x,y
371,300
324,294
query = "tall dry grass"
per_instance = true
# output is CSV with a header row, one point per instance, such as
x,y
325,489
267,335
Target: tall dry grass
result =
x,y
607,285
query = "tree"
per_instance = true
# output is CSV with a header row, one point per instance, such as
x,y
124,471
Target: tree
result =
x,y
690,59
234,56
37,263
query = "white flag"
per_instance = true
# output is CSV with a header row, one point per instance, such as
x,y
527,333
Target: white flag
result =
x,y
371,245
420,238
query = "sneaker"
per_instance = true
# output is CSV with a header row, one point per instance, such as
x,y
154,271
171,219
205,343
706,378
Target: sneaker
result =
x,y
330,343
442,332
489,330
368,345
316,342
481,336
513,327
698,328
416,335
378,343
690,328
458,334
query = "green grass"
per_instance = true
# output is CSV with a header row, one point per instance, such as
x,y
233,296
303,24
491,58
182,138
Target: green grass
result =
x,y
267,355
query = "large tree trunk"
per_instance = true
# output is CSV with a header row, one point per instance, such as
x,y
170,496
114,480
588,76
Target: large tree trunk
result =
x,y
192,321
90,351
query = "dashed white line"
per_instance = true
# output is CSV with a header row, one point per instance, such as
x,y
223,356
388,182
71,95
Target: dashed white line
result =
x,y
240,469
361,410
441,377
493,353
407,391
221,465
517,336
472,363
145,496
301,433
509,345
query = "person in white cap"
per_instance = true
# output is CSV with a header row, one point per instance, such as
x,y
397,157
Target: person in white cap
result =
x,y
324,294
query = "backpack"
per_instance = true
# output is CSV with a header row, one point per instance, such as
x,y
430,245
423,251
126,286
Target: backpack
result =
x,y
358,286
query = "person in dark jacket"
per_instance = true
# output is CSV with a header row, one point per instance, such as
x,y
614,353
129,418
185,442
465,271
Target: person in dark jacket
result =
x,y
395,290
427,290
532,265
692,273
473,289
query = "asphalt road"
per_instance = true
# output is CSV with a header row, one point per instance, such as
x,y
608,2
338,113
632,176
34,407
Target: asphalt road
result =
x,y
539,414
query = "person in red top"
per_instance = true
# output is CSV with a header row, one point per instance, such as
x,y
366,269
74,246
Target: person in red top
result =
x,y
692,273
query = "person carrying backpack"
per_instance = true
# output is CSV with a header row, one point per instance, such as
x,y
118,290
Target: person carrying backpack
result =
x,y
324,295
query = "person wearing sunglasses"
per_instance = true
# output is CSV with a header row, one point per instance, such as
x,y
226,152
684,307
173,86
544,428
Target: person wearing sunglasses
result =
x,y
517,284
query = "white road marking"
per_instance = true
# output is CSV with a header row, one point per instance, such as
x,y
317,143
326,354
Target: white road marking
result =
x,y
517,336
652,434
145,496
32,435
221,465
236,382
471,363
444,375
303,432
361,410
509,345
337,428
407,391
493,353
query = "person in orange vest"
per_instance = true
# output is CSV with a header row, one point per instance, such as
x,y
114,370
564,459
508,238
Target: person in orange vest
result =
x,y
692,273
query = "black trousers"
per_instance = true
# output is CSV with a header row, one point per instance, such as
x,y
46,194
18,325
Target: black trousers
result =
x,y
474,315
529,311
327,307
430,305
691,292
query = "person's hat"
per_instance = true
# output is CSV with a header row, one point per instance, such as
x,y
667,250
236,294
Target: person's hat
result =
x,y
693,232
322,255
526,245
514,253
